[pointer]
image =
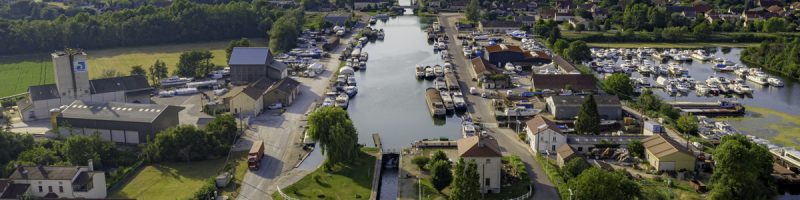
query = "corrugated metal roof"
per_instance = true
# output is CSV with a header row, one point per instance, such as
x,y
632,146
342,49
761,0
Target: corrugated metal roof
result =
x,y
114,111
660,146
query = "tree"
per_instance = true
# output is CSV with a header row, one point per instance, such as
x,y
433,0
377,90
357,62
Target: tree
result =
x,y
195,63
110,73
420,161
554,34
12,145
223,129
285,30
619,84
574,167
439,155
560,45
158,71
595,183
40,156
337,136
588,121
578,51
702,29
78,149
473,11
244,42
687,124
636,148
742,170
138,70
774,24
440,174
182,143
466,184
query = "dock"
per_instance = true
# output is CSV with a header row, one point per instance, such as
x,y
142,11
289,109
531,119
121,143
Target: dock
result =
x,y
434,144
711,109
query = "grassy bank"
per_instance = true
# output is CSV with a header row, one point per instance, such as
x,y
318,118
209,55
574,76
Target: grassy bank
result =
x,y
692,45
22,71
350,182
779,127
161,181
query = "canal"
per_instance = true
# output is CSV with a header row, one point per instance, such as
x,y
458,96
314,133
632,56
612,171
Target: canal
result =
x,y
390,99
773,111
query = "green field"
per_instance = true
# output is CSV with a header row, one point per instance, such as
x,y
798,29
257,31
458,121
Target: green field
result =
x,y
21,71
352,182
779,127
169,180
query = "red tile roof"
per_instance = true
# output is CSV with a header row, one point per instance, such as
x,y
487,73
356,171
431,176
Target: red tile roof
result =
x,y
478,146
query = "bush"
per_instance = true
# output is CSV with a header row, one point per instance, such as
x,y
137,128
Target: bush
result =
x,y
207,191
440,174
420,161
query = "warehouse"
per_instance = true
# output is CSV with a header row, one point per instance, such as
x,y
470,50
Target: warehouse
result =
x,y
249,64
118,122
567,107
665,154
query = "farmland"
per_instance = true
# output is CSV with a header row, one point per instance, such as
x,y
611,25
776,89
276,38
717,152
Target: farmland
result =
x,y
21,71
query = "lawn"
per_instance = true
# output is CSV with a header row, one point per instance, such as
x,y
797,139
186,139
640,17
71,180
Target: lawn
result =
x,y
161,181
350,182
680,190
36,69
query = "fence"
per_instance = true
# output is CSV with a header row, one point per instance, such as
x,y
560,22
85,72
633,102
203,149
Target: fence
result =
x,y
526,195
125,177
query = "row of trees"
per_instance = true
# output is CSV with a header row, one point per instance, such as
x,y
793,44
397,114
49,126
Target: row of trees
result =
x,y
781,57
187,22
188,143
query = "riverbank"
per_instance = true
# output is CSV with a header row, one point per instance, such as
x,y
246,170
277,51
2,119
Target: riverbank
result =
x,y
343,182
669,45
776,126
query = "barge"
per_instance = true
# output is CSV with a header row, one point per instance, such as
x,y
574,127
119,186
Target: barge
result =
x,y
719,108
435,103
451,81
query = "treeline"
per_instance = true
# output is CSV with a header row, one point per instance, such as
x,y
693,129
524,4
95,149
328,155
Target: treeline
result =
x,y
673,34
183,21
781,57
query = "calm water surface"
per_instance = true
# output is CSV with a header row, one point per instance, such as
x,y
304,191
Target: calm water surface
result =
x,y
390,100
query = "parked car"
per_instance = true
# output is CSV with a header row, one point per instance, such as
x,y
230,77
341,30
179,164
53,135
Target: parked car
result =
x,y
473,91
275,106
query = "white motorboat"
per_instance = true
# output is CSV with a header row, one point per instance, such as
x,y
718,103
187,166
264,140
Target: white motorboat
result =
x,y
364,56
775,82
328,102
682,88
742,88
351,81
701,55
448,101
757,76
662,81
351,90
429,74
701,89
458,100
438,70
468,129
643,81
342,101
174,80
420,71
723,61
440,84
742,71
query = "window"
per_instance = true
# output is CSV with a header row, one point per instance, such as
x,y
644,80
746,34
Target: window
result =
x,y
49,188
554,138
580,148
40,189
488,181
554,147
488,161
61,189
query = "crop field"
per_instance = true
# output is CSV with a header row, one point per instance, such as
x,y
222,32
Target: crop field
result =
x,y
20,71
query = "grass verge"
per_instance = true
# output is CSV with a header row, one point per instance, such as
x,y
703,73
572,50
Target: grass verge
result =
x,y
161,181
344,182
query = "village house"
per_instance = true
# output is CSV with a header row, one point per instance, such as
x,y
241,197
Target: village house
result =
x,y
665,154
546,14
567,107
599,13
54,182
795,6
486,153
544,135
564,153
525,20
247,100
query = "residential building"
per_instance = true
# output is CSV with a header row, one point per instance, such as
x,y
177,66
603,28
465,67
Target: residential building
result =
x,y
525,20
546,14
250,64
486,153
567,107
54,182
556,82
599,13
768,3
488,74
125,123
562,17
777,10
544,135
585,144
564,153
665,154
72,83
498,26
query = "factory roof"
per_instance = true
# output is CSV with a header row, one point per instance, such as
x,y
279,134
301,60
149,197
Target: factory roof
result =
x,y
661,146
249,56
114,111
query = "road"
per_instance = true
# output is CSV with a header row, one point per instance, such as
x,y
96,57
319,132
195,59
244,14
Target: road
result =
x,y
480,107
282,135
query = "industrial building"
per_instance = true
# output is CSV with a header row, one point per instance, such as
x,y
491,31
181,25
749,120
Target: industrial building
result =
x,y
72,83
500,54
54,182
125,123
252,99
249,64
665,154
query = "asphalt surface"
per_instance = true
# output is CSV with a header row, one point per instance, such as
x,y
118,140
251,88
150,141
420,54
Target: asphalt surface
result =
x,y
480,107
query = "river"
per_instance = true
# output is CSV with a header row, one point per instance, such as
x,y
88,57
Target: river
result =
x,y
390,99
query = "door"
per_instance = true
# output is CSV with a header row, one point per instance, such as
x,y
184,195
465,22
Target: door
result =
x,y
666,166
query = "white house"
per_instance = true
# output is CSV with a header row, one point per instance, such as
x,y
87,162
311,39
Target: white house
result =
x,y
543,135
487,155
70,182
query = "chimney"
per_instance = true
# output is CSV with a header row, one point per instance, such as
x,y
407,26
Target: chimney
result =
x,y
91,165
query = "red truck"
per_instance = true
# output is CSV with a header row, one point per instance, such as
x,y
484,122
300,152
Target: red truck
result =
x,y
254,157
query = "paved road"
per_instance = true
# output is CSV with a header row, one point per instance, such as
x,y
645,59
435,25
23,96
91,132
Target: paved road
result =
x,y
282,135
480,107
